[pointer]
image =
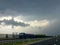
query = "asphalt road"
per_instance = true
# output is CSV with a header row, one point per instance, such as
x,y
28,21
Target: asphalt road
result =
x,y
53,41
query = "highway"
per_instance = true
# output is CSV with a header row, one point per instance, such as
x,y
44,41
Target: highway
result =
x,y
53,41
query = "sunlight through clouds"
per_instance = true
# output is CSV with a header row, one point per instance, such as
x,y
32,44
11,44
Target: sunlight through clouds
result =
x,y
18,19
41,23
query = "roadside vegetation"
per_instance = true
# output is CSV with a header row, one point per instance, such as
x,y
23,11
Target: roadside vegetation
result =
x,y
23,42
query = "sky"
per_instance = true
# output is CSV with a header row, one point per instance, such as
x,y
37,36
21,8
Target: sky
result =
x,y
30,16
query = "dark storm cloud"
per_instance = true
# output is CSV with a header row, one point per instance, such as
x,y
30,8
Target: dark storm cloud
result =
x,y
32,10
33,7
14,23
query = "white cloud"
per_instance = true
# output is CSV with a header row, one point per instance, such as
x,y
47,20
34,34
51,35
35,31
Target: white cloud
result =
x,y
18,19
6,18
41,23
6,26
32,23
35,26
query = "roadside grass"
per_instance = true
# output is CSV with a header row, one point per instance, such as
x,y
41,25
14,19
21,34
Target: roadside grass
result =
x,y
23,42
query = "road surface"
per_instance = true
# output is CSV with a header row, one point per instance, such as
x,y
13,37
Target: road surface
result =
x,y
53,41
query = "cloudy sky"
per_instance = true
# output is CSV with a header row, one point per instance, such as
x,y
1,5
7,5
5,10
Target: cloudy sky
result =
x,y
30,16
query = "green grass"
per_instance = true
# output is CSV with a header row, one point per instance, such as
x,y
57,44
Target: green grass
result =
x,y
23,42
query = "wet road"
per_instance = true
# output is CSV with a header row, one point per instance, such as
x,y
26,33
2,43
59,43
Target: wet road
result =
x,y
53,41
